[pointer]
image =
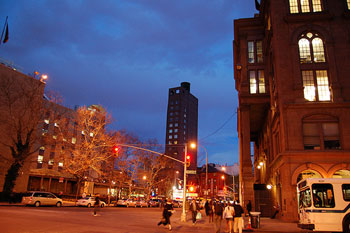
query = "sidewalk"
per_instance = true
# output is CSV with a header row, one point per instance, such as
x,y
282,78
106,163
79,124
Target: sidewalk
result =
x,y
276,225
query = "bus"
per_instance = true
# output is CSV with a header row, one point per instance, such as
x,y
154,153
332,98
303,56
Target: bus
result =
x,y
324,204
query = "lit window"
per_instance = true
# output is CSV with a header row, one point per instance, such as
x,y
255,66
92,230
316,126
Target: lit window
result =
x,y
91,134
47,121
170,136
253,89
255,52
74,140
56,125
171,125
320,91
176,125
261,79
305,6
40,159
51,162
60,164
309,86
82,132
318,50
251,52
304,50
175,142
324,93
170,130
293,6
348,2
175,130
177,91
175,136
257,82
54,137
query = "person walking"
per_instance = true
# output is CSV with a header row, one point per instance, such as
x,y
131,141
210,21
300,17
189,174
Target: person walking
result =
x,y
218,210
211,212
96,205
249,207
237,222
194,208
167,212
206,207
229,213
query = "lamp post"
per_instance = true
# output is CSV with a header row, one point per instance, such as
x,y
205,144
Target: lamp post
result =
x,y
183,215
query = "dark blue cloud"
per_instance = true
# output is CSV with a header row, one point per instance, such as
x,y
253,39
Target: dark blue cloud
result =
x,y
126,54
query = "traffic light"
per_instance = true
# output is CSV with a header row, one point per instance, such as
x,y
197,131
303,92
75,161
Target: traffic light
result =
x,y
188,160
115,149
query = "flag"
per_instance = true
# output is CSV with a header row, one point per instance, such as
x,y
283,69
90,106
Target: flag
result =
x,y
6,38
257,5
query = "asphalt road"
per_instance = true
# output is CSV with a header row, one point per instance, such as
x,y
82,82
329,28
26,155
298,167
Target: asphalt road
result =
x,y
18,219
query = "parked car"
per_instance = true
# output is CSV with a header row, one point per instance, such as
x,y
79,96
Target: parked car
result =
x,y
130,202
121,202
153,203
142,203
89,201
38,198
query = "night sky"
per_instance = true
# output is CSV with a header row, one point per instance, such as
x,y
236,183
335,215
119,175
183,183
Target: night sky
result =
x,y
126,54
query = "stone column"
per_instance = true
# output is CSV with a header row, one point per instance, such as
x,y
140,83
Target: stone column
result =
x,y
246,178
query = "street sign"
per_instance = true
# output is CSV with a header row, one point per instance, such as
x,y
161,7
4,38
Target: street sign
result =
x,y
191,172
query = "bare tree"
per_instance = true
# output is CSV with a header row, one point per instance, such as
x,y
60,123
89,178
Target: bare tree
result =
x,y
152,165
21,109
88,155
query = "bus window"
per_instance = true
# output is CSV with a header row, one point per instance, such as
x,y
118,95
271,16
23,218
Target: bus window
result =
x,y
305,198
322,195
346,192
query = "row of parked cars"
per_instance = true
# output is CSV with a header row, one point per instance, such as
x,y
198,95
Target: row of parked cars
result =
x,y
39,198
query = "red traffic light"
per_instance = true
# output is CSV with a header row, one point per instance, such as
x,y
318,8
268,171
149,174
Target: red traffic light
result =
x,y
115,149
188,157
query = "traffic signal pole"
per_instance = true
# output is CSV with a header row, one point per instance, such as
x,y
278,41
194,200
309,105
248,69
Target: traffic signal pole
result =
x,y
183,215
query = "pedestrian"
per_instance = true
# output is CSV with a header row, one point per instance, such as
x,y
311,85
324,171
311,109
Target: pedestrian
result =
x,y
229,213
96,204
237,222
167,212
83,195
194,208
218,210
277,210
211,212
249,207
206,207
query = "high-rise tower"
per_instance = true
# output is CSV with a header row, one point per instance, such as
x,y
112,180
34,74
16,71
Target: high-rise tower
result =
x,y
182,126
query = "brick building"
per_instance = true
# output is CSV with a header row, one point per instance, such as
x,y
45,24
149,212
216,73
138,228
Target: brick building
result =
x,y
291,67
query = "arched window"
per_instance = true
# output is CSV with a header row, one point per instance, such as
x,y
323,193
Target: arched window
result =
x,y
311,48
305,6
315,78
